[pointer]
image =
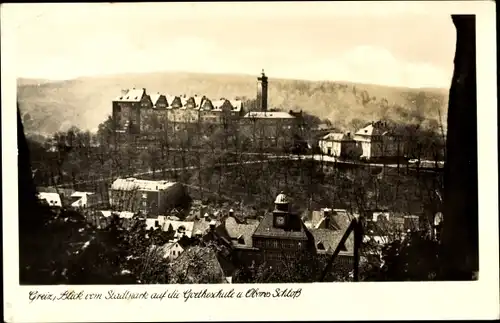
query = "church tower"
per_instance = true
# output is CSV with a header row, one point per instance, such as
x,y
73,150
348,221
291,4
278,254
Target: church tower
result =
x,y
262,92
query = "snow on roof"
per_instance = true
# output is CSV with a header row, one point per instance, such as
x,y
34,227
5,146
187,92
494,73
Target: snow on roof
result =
x,y
150,223
53,199
336,136
125,214
218,104
133,95
237,104
122,214
106,214
179,227
170,98
197,101
155,97
373,129
81,194
269,115
129,184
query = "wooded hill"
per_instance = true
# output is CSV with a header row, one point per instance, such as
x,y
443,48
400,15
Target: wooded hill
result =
x,y
49,106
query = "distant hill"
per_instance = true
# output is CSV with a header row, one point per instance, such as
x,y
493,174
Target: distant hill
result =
x,y
49,106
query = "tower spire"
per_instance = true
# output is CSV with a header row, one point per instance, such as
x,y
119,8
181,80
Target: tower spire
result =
x,y
262,92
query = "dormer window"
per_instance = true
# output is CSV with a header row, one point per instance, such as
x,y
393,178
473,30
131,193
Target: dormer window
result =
x,y
321,246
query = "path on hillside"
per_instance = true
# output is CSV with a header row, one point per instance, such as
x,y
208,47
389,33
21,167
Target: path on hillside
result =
x,y
270,157
166,170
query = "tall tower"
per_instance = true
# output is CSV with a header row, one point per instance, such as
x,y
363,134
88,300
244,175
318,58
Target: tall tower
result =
x,y
262,92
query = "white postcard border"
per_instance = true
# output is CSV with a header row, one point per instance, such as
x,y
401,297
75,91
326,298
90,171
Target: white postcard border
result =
x,y
332,301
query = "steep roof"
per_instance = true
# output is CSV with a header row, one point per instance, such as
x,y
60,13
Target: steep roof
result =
x,y
130,184
81,194
121,215
240,232
155,97
197,101
267,229
210,272
373,129
170,99
132,95
330,239
269,115
237,104
177,226
335,136
52,199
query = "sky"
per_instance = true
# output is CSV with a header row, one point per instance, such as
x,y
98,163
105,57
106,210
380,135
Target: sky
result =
x,y
395,45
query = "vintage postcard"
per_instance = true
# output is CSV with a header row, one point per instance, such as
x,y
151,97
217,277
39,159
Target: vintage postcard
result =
x,y
249,161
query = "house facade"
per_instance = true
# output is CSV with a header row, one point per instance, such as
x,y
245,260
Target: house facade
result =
x,y
151,198
127,109
338,145
135,111
51,199
282,237
377,141
84,199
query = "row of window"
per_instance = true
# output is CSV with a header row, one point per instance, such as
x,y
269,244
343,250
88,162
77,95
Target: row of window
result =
x,y
274,243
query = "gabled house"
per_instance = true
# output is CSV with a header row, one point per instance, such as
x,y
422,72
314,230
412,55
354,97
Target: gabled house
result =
x,y
377,141
151,198
338,144
84,199
159,101
172,250
127,109
51,199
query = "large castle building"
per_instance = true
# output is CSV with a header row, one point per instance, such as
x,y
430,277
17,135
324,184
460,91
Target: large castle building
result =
x,y
137,112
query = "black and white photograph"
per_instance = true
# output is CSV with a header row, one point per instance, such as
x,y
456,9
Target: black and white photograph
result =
x,y
245,143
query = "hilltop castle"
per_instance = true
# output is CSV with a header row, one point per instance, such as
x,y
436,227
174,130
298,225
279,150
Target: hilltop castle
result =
x,y
135,111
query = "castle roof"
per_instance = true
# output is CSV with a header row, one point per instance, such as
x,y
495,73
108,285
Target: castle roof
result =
x,y
133,95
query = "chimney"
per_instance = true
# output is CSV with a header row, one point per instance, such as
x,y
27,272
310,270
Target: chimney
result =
x,y
212,225
327,215
124,91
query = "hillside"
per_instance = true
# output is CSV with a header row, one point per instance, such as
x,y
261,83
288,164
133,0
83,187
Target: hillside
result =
x,y
48,106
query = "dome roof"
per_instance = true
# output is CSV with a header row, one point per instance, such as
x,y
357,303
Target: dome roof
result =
x,y
281,199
